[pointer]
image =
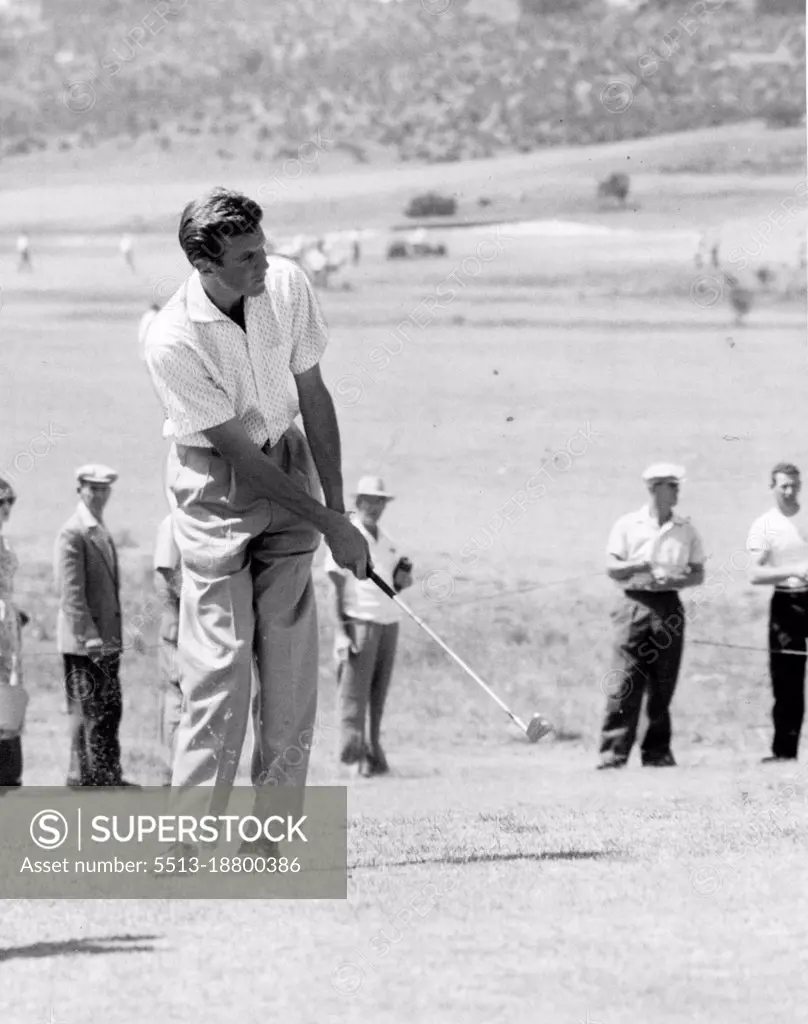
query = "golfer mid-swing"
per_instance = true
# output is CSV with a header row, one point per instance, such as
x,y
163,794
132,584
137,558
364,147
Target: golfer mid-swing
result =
x,y
248,518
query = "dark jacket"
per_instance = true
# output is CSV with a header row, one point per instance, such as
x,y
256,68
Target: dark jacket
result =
x,y
89,587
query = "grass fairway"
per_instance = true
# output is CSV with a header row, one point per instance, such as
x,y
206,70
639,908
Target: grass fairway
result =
x,y
488,879
516,884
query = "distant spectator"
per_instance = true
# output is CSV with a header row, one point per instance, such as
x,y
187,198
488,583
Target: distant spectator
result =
x,y
23,253
127,251
315,262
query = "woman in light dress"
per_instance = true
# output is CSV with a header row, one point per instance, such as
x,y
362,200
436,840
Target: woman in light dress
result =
x,y
11,621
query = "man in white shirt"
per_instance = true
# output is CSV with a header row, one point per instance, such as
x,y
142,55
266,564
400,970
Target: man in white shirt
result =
x,y
24,253
315,262
367,623
127,251
652,554
778,544
249,517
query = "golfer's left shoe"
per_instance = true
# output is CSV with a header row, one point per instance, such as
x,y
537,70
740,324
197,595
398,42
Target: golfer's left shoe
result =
x,y
353,751
261,847
374,763
177,860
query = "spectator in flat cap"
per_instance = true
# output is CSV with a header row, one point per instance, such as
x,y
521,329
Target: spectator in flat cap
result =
x,y
367,624
13,697
89,633
653,553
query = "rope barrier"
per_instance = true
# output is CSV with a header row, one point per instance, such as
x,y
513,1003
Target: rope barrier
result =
x,y
29,655
144,648
745,647
525,590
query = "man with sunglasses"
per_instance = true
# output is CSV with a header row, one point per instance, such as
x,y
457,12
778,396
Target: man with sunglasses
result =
x,y
652,554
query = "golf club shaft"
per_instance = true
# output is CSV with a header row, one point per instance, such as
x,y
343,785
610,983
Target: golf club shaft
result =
x,y
392,594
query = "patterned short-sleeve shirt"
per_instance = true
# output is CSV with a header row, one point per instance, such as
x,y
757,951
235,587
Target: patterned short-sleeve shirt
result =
x,y
207,370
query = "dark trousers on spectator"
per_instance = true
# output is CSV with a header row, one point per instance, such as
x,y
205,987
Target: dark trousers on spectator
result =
x,y
648,644
363,682
788,629
94,706
11,762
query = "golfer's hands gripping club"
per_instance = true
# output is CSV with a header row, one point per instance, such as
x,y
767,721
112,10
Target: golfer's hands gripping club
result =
x,y
348,546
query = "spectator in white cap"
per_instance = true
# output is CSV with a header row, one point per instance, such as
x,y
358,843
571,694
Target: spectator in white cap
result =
x,y
366,634
89,633
652,554
24,253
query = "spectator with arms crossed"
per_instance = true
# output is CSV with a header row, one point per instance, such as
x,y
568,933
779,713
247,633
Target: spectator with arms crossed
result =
x,y
778,544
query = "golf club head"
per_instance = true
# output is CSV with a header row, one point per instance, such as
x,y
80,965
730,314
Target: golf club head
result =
x,y
537,727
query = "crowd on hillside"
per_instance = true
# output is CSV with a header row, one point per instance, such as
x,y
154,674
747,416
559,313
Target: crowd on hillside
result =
x,y
426,87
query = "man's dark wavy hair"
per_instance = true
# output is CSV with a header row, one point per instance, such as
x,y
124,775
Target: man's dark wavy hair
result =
x,y
208,223
787,468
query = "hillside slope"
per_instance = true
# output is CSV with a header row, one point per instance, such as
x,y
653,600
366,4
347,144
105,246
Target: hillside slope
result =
x,y
697,178
264,79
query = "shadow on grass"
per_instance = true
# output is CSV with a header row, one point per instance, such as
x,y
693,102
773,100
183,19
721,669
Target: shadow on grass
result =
x,y
492,858
70,947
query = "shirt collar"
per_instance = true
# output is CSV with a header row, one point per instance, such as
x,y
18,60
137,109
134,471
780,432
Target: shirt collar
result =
x,y
200,309
644,515
87,518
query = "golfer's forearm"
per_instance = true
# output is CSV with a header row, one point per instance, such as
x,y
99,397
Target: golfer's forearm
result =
x,y
264,477
275,484
322,433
